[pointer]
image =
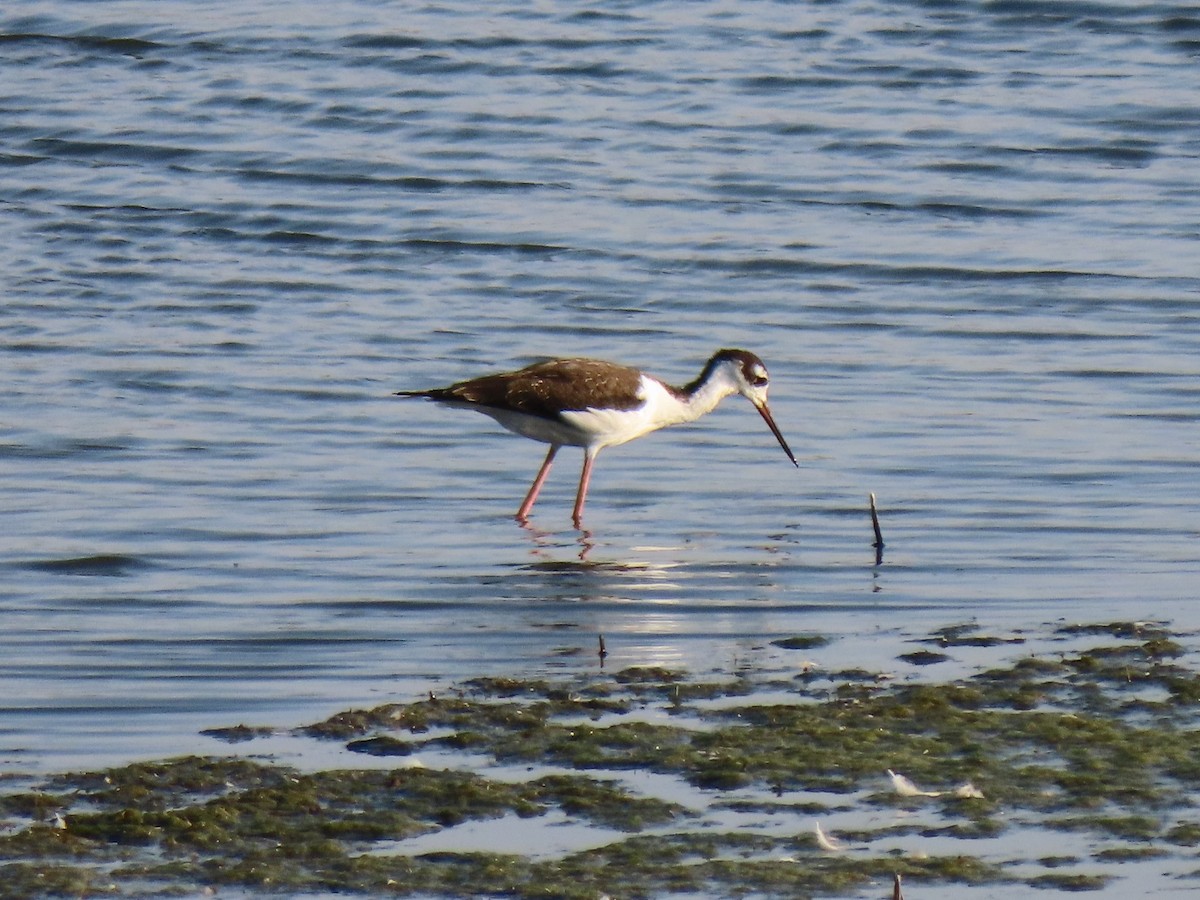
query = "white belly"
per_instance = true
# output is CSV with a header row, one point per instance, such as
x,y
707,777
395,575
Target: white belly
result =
x,y
609,427
535,427
596,427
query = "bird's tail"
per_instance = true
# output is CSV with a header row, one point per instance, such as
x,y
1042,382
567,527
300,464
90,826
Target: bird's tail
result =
x,y
432,394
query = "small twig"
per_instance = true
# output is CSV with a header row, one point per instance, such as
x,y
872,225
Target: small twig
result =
x,y
603,651
878,545
897,894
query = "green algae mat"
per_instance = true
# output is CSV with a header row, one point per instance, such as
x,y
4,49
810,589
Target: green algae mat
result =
x,y
1074,766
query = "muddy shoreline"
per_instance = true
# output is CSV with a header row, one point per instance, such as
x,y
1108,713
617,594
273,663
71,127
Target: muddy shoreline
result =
x,y
1080,751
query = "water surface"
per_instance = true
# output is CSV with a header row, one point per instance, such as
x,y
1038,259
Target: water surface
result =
x,y
963,237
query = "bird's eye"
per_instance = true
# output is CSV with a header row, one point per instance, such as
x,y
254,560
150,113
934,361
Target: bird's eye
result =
x,y
757,376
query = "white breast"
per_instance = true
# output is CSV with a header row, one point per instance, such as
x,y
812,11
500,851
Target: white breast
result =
x,y
609,427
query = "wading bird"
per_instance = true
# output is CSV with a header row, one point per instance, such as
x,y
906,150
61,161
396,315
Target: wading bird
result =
x,y
594,404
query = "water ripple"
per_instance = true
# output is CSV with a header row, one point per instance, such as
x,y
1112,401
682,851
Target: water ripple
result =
x,y
962,237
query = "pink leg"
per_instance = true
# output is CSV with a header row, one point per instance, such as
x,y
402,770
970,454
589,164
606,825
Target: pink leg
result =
x,y
584,478
527,505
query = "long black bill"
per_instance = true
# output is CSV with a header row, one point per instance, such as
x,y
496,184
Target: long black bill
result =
x,y
766,414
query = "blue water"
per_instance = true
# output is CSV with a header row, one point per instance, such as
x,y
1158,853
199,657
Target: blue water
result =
x,y
963,237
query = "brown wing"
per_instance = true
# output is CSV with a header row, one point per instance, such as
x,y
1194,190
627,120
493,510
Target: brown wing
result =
x,y
548,388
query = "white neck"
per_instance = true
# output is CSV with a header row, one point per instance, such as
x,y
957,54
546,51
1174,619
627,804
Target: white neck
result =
x,y
677,408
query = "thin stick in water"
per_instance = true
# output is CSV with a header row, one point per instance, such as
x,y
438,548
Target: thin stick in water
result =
x,y
878,545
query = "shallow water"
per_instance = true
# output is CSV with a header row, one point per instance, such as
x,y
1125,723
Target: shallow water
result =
x,y
962,237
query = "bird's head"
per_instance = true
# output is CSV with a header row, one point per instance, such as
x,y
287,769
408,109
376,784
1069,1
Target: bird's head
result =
x,y
745,372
